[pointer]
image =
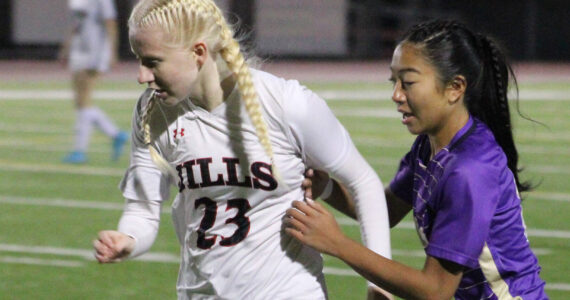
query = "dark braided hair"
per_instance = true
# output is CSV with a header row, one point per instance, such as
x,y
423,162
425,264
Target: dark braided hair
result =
x,y
454,50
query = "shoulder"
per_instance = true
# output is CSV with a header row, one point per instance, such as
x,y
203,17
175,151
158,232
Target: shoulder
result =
x,y
269,85
476,159
480,152
282,97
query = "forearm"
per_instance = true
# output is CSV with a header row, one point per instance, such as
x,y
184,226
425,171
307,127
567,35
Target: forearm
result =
x,y
397,208
396,278
340,200
140,220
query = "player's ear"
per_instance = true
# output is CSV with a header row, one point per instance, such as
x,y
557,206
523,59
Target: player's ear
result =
x,y
200,53
456,88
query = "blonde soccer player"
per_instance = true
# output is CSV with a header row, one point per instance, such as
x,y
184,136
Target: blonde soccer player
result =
x,y
235,141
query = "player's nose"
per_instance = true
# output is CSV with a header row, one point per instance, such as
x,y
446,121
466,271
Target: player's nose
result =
x,y
145,75
398,94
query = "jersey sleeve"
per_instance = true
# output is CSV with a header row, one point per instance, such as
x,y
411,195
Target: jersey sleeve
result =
x,y
402,185
143,180
463,215
326,145
140,220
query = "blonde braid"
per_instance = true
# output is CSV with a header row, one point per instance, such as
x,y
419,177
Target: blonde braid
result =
x,y
233,57
158,160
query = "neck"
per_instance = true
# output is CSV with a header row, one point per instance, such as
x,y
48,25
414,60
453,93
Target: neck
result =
x,y
445,134
213,92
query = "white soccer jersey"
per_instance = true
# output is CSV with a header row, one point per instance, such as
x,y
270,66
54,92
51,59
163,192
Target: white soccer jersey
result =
x,y
229,209
90,48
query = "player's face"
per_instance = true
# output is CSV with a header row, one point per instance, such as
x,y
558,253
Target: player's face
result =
x,y
172,71
417,91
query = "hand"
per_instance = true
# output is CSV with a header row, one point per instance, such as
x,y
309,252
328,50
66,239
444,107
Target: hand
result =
x,y
312,224
113,246
314,183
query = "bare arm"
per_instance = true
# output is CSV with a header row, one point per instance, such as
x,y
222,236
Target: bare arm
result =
x,y
397,208
313,225
314,185
315,182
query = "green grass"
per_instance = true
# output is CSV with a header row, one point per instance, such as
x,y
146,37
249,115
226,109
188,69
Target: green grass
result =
x,y
35,135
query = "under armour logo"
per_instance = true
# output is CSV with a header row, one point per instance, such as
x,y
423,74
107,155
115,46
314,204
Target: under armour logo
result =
x,y
176,132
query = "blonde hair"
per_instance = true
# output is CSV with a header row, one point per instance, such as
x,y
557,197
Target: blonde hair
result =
x,y
188,21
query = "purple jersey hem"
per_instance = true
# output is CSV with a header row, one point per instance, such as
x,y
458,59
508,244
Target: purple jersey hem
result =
x,y
455,257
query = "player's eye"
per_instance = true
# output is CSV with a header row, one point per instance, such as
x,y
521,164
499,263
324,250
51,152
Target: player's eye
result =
x,y
150,63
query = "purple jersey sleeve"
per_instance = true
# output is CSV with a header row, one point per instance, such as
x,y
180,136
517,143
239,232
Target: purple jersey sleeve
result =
x,y
467,202
402,185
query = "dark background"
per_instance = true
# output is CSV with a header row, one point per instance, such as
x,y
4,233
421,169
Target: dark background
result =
x,y
531,30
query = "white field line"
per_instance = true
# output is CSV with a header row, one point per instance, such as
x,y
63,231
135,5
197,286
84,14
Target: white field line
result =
x,y
340,272
363,113
550,196
98,171
31,128
40,262
61,169
326,270
562,234
547,169
553,286
86,254
41,147
65,203
163,257
381,143
332,95
339,112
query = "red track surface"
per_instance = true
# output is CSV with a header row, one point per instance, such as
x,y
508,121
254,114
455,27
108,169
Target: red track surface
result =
x,y
304,71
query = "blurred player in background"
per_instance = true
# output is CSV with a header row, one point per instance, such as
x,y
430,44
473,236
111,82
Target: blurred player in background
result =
x,y
460,179
236,142
90,49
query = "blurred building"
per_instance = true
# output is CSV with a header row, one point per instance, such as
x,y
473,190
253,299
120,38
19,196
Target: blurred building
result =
x,y
338,29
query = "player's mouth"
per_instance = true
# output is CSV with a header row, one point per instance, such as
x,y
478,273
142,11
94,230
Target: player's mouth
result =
x,y
161,94
406,118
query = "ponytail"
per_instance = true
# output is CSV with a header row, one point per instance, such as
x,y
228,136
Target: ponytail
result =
x,y
494,107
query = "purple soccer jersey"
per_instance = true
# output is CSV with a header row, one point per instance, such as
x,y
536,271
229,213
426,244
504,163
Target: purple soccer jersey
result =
x,y
467,210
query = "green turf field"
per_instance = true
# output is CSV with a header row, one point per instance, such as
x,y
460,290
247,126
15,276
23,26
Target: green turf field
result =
x,y
51,212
